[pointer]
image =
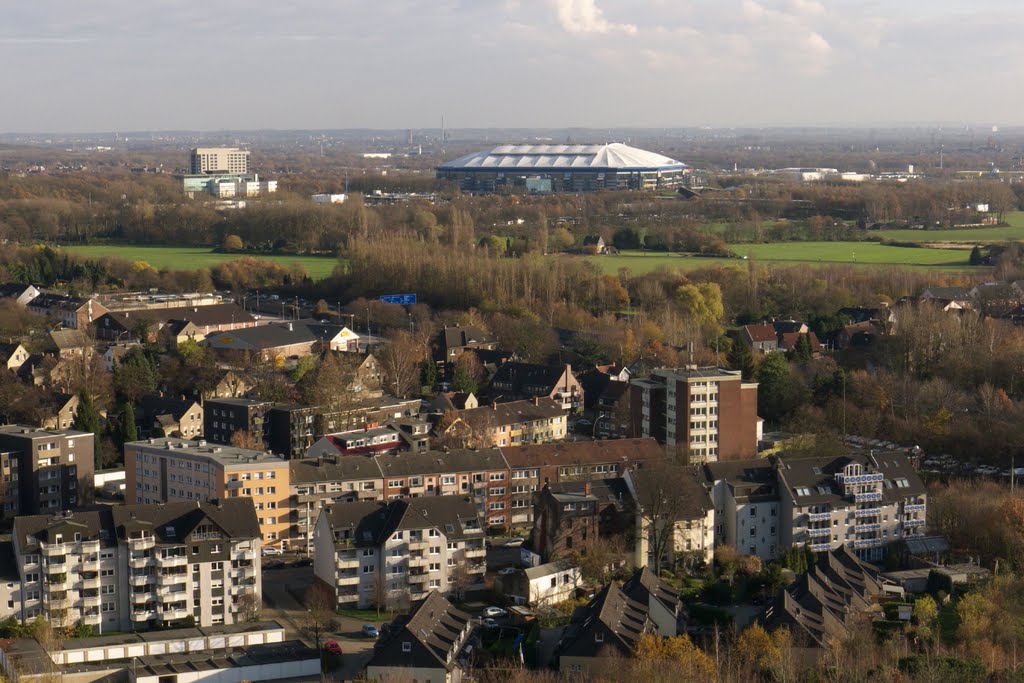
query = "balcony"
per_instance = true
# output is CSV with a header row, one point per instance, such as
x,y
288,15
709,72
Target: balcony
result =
x,y
821,547
140,579
347,580
421,544
347,563
819,516
914,507
869,478
913,522
475,552
92,617
171,561
144,614
144,543
139,562
867,497
90,600
54,550
418,578
173,589
90,581
868,512
242,588
92,546
418,560
824,532
242,573
863,528
867,543
54,598
173,613
476,567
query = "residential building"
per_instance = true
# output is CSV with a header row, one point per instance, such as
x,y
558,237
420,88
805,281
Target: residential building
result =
x,y
611,624
70,343
594,244
414,433
278,341
516,381
13,356
224,417
375,553
174,323
165,416
20,293
231,384
708,414
215,160
824,603
866,501
168,469
457,339
538,420
565,522
549,584
72,312
134,567
375,441
45,469
746,499
427,645
63,409
681,499
318,481
760,337
532,466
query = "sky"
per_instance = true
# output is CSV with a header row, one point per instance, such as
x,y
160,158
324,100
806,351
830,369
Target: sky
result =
x,y
109,65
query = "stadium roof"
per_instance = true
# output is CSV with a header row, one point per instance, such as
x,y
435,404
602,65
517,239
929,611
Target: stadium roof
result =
x,y
613,157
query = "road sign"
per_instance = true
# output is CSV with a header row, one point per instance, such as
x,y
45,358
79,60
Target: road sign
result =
x,y
403,299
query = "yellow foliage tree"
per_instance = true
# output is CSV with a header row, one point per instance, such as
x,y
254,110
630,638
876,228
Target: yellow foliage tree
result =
x,y
687,661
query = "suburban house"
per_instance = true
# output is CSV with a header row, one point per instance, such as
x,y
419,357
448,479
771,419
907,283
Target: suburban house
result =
x,y
70,311
611,624
544,584
164,416
63,414
455,340
13,356
760,337
374,553
231,384
70,343
115,352
425,646
516,381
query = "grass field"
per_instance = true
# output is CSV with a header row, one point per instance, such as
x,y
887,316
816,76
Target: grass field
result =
x,y
1014,232
191,258
868,254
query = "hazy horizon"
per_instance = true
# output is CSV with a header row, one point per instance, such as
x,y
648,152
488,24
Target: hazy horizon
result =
x,y
508,64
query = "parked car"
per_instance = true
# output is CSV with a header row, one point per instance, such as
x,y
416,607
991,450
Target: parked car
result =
x,y
507,571
494,612
489,623
331,647
370,631
271,550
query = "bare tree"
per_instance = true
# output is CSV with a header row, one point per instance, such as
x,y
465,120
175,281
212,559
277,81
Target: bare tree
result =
x,y
246,439
250,606
400,363
659,506
321,613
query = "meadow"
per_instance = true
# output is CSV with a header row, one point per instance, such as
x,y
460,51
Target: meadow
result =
x,y
191,258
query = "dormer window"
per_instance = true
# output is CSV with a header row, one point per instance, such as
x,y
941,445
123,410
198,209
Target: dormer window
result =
x,y
599,637
406,646
171,533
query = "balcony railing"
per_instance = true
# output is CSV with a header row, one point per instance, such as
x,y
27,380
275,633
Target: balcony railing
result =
x,y
860,478
476,552
819,533
419,578
913,522
819,516
821,547
144,614
868,512
139,562
347,580
867,543
863,528
140,579
144,543
914,507
171,561
867,496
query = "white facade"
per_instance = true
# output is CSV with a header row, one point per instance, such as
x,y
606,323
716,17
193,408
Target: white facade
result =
x,y
329,198
751,527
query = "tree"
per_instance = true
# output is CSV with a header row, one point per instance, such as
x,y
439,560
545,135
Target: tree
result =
x,y
232,243
400,363
128,431
250,606
677,656
321,613
740,358
976,259
87,419
778,393
135,375
468,372
428,373
660,507
756,650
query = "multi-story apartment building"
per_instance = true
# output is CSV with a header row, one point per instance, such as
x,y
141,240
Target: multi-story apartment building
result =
x,y
45,469
866,501
516,381
530,467
687,507
745,494
218,160
168,469
222,417
374,553
538,420
293,429
318,482
133,567
708,413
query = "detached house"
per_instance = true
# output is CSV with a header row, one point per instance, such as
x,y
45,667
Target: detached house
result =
x,y
516,381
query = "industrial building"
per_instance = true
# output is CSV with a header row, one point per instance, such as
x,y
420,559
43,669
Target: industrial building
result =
x,y
564,168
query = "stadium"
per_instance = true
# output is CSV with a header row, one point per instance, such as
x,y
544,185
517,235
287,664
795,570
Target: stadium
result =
x,y
563,168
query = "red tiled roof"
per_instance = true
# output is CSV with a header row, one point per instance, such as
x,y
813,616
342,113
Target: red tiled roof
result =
x,y
760,333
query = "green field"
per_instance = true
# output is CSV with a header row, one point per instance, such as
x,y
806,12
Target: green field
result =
x,y
1014,232
191,258
868,254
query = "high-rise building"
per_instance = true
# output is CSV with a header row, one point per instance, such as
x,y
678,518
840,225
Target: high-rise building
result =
x,y
44,469
708,412
212,160
132,567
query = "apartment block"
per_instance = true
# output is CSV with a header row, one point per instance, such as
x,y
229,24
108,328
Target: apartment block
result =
x,y
45,469
373,553
708,413
136,567
745,495
168,469
318,482
537,420
865,500
223,417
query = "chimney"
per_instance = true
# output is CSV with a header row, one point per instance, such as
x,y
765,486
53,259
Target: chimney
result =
x,y
586,488
290,329
536,400
494,406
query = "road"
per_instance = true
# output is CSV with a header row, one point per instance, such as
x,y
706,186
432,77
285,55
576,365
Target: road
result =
x,y
280,588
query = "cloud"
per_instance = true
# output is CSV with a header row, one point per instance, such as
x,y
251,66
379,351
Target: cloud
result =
x,y
584,16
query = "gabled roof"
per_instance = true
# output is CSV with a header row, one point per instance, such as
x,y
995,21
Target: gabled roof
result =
x,y
262,337
584,452
949,293
685,484
369,523
200,316
173,522
311,470
151,407
759,333
69,339
610,619
441,462
644,587
519,375
465,335
511,412
435,632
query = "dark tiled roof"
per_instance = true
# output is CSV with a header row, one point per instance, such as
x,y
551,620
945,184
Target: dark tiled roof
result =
x,y
341,468
950,293
528,374
200,316
644,586
236,517
468,335
439,462
611,616
512,412
760,333
150,407
69,339
369,523
436,631
818,476
92,524
686,484
263,337
584,452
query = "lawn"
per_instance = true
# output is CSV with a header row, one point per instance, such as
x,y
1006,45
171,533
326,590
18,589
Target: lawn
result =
x,y
818,253
191,258
1014,232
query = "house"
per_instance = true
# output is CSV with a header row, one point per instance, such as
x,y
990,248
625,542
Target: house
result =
x,y
232,384
693,526
595,381
174,323
115,352
545,584
824,603
71,343
569,517
72,312
414,432
452,400
746,498
996,299
611,624
275,342
13,356
427,645
164,416
612,411
459,338
224,417
21,294
373,441
54,469
760,337
594,244
788,341
860,335
951,297
516,381
539,420
63,415
374,553
336,338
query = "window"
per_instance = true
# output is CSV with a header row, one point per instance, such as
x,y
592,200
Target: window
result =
x,y
435,550
216,566
367,552
406,646
216,548
367,568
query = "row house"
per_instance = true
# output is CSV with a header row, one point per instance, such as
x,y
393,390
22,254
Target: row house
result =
x,y
169,469
175,323
166,416
136,567
72,312
745,495
537,420
318,481
45,469
371,553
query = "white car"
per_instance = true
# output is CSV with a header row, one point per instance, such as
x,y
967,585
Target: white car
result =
x,y
508,571
494,612
271,550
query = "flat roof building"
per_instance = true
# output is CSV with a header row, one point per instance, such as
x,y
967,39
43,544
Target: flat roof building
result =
x,y
218,160
564,168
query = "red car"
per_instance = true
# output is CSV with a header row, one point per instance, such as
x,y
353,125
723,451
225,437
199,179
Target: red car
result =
x,y
331,647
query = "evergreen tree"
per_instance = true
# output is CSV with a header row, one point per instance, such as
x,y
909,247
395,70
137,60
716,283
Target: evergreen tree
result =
x,y
428,373
976,258
779,392
87,419
128,431
740,358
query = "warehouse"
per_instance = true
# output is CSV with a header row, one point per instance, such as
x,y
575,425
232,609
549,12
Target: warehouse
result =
x,y
563,168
